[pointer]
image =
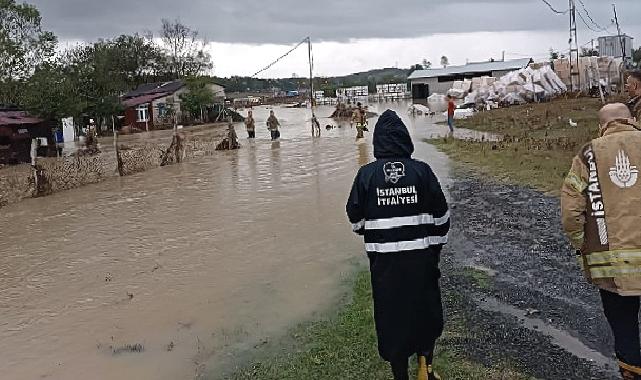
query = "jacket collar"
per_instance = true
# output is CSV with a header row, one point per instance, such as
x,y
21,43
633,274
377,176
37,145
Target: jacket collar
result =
x,y
621,125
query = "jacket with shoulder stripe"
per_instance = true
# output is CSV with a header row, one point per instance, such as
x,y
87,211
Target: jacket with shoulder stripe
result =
x,y
601,208
397,202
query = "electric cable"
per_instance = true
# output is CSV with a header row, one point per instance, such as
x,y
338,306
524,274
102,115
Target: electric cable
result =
x,y
554,9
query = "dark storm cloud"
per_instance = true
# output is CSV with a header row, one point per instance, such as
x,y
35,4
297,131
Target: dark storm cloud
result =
x,y
284,21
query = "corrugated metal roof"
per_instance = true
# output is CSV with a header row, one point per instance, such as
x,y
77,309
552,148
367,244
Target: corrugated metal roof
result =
x,y
154,88
142,99
477,67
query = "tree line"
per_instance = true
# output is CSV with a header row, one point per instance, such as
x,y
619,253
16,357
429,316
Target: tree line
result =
x,y
89,79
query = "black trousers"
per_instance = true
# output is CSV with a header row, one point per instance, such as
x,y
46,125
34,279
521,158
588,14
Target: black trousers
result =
x,y
251,134
622,314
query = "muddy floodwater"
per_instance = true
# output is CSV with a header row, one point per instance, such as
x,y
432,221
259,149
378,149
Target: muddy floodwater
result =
x,y
168,273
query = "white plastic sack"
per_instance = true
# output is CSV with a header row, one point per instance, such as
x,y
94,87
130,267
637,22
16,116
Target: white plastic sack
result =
x,y
470,98
456,93
513,98
437,103
419,109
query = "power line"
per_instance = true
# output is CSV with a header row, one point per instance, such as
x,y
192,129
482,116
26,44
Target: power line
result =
x,y
587,13
586,23
306,40
554,9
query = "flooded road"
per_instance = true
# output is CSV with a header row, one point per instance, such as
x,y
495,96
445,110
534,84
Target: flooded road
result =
x,y
161,274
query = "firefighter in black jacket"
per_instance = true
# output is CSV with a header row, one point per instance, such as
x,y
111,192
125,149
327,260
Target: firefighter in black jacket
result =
x,y
397,204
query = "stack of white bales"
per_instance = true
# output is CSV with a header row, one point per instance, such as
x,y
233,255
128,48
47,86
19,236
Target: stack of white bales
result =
x,y
517,87
591,69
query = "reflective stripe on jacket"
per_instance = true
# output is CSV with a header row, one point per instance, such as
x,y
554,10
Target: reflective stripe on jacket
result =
x,y
601,209
396,202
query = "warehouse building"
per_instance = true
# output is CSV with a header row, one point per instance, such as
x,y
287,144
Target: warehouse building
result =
x,y
427,82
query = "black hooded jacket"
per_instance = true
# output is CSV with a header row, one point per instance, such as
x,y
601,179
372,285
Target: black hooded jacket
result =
x,y
396,202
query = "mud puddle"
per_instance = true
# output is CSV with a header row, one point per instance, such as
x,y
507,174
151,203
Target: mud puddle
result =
x,y
558,337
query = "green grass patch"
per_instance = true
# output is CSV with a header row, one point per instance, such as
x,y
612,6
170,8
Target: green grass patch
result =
x,y
511,162
344,347
539,143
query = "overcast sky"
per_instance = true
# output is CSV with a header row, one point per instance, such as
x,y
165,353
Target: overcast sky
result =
x,y
348,36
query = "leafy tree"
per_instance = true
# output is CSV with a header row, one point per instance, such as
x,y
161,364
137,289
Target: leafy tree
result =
x,y
427,64
23,46
589,52
415,67
198,96
51,93
186,51
137,60
554,54
445,61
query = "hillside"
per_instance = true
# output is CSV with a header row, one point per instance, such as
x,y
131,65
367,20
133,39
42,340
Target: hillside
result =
x,y
368,78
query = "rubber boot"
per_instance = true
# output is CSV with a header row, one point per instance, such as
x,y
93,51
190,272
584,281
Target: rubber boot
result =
x,y
422,368
425,370
629,372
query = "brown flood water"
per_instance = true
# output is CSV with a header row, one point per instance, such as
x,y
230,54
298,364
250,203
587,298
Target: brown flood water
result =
x,y
188,261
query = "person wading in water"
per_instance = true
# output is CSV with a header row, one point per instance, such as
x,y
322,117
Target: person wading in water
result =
x,y
397,205
250,125
360,118
272,125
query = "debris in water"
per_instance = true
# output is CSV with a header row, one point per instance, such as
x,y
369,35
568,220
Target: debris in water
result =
x,y
127,348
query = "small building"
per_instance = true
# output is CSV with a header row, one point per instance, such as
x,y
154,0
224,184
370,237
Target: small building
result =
x,y
352,94
17,130
391,91
427,82
248,101
155,104
611,46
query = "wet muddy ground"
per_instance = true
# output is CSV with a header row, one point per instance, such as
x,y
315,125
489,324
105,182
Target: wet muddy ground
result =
x,y
181,271
526,302
168,273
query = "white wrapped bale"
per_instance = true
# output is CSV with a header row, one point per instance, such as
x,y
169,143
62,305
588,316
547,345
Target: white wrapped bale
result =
x,y
471,98
457,93
487,81
437,103
513,99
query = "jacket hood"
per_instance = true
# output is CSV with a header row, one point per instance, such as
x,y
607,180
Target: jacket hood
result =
x,y
391,138
619,125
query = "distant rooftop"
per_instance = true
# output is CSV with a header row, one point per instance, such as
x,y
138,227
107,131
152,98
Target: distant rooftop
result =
x,y
471,68
155,88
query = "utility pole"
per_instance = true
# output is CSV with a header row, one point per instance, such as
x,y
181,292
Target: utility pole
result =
x,y
575,74
311,84
616,20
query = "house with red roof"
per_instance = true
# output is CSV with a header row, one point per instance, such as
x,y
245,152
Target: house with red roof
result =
x,y
153,105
